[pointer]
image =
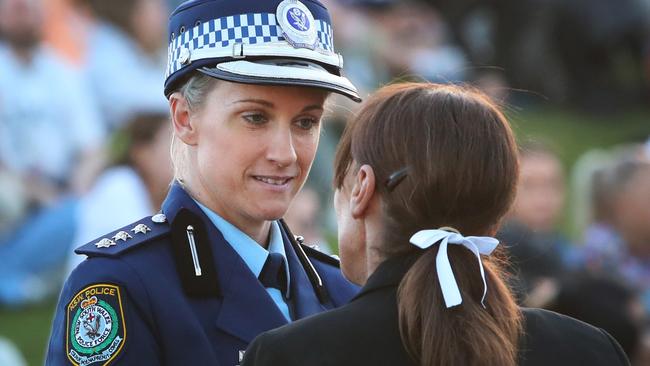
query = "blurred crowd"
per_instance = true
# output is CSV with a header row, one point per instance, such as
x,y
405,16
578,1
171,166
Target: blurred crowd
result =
x,y
84,134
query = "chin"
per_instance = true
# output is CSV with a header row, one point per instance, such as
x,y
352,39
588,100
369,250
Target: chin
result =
x,y
272,211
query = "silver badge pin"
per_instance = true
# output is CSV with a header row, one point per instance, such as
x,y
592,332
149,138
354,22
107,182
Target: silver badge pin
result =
x,y
140,228
105,243
195,256
122,235
159,218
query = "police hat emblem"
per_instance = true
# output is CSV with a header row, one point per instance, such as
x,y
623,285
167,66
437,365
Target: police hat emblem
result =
x,y
297,24
270,42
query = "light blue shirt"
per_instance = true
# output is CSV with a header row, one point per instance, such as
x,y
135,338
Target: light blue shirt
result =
x,y
253,254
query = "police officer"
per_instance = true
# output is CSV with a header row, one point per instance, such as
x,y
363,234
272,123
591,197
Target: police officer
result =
x,y
195,283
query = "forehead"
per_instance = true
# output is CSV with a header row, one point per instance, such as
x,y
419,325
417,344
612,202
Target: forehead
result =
x,y
228,92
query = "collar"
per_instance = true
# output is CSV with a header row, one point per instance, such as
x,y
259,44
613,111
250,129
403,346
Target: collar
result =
x,y
389,273
253,254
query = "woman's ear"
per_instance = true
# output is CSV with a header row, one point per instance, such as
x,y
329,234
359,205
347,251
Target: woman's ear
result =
x,y
184,127
362,192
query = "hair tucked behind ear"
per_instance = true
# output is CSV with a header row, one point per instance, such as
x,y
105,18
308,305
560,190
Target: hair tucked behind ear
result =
x,y
462,167
195,91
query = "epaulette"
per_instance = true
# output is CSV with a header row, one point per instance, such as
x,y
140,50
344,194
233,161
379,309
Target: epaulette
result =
x,y
126,238
321,256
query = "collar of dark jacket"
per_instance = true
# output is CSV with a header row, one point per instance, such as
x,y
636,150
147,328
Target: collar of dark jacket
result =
x,y
389,273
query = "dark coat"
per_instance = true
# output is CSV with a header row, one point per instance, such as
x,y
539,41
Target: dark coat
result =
x,y
365,332
138,301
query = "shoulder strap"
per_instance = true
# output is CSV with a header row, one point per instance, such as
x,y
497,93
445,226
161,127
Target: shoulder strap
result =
x,y
126,238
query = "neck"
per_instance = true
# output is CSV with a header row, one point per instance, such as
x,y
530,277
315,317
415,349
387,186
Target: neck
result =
x,y
374,254
258,230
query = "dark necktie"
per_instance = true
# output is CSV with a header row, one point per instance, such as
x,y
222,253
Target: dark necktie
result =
x,y
273,273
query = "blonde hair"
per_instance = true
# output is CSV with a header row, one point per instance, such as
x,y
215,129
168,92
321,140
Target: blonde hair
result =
x,y
194,91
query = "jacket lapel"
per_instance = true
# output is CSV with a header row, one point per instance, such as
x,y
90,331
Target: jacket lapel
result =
x,y
246,308
303,297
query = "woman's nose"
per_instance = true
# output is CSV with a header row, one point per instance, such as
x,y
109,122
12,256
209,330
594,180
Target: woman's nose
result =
x,y
281,149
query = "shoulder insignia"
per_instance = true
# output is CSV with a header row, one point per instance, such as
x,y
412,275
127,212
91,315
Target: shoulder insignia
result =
x,y
121,240
95,325
321,256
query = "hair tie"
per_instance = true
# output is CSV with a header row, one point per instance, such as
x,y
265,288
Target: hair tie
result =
x,y
446,235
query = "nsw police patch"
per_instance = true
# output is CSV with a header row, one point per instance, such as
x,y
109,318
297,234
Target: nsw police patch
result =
x,y
95,327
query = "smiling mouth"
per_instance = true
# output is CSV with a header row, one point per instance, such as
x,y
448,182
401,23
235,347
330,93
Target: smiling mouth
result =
x,y
276,181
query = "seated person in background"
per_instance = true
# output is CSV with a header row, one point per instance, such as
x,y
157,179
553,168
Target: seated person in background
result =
x,y
617,242
536,248
50,141
423,175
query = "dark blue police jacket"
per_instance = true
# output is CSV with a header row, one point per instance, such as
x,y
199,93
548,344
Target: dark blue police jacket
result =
x,y
137,299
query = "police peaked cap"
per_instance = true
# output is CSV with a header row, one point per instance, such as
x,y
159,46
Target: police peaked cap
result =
x,y
269,42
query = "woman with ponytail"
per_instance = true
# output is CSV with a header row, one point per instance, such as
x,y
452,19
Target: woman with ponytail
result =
x,y
423,176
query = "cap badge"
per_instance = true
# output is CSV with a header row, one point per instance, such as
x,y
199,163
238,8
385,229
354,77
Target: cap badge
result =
x,y
297,24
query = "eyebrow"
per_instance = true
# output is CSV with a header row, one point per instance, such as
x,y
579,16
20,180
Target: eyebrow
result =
x,y
268,104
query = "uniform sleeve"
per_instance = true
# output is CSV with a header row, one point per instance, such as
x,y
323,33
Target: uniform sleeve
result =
x,y
101,318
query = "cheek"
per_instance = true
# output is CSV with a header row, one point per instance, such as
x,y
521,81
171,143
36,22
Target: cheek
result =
x,y
306,147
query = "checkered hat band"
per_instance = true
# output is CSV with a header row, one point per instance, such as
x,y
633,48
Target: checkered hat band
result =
x,y
255,28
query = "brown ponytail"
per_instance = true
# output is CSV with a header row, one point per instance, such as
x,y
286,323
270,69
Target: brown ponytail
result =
x,y
467,334
462,167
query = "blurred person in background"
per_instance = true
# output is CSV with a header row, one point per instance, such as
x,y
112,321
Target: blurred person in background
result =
x,y
134,183
125,56
133,186
617,242
419,44
51,139
537,248
47,135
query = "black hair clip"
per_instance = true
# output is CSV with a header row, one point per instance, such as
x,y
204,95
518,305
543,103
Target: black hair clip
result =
x,y
396,178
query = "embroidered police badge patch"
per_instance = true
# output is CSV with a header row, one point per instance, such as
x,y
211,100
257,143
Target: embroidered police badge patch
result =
x,y
95,327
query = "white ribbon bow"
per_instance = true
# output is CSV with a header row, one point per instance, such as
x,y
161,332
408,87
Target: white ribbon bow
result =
x,y
477,244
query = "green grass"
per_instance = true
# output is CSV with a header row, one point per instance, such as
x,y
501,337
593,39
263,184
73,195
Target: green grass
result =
x,y
570,133
29,329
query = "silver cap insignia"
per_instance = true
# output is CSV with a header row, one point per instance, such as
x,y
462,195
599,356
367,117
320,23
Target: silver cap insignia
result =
x,y
297,24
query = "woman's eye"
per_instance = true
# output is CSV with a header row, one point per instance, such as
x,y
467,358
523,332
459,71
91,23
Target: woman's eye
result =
x,y
307,123
256,118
